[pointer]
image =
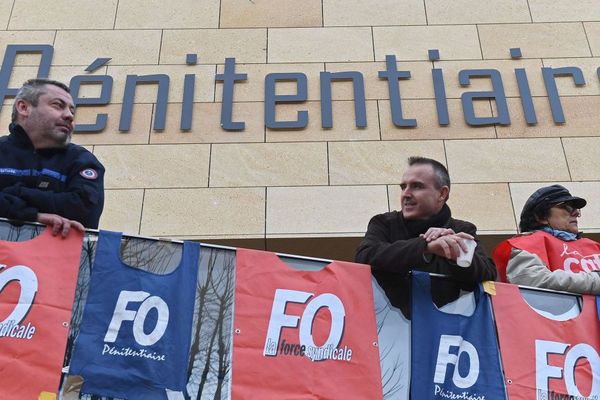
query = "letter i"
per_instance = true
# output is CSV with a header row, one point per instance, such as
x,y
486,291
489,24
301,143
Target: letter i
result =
x,y
524,90
441,102
189,86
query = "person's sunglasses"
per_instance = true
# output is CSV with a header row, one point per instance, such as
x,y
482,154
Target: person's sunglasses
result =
x,y
567,207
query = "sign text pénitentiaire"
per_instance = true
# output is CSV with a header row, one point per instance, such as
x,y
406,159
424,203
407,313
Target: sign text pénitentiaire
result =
x,y
230,77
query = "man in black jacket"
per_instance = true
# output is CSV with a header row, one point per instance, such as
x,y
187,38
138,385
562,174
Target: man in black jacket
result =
x,y
43,176
422,236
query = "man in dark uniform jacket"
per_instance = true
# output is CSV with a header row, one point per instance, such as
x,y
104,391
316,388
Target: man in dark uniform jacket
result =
x,y
422,236
43,176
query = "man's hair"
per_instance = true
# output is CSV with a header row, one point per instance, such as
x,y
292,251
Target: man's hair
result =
x,y
442,178
32,90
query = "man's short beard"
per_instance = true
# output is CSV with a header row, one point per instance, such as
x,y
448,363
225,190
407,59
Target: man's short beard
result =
x,y
63,140
67,139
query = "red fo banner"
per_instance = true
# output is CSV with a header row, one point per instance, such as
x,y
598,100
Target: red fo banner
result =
x,y
37,287
303,334
546,359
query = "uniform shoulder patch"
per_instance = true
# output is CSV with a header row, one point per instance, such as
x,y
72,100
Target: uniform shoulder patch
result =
x,y
89,173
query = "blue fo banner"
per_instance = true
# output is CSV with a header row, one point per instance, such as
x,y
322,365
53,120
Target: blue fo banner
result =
x,y
453,356
135,335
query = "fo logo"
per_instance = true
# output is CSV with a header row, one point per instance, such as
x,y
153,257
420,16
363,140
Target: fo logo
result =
x,y
28,282
573,356
122,313
279,319
452,349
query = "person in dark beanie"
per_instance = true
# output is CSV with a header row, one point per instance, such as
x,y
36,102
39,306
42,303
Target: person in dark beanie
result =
x,y
550,252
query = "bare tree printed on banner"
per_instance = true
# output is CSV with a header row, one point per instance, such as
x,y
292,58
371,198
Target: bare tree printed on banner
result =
x,y
210,361
393,331
70,385
19,233
156,256
159,257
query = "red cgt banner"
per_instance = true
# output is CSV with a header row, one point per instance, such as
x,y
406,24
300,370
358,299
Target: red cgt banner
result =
x,y
37,287
303,334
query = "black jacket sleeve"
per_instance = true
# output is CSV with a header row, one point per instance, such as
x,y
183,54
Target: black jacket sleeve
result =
x,y
14,207
82,200
382,253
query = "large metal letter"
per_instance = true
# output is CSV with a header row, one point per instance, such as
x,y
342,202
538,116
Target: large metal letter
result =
x,y
549,75
8,63
106,83
272,99
229,78
162,97
393,75
360,111
497,94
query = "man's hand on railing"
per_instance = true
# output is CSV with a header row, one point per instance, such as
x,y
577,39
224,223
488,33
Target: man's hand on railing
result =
x,y
59,224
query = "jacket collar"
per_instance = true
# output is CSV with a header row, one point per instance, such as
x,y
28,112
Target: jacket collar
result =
x,y
19,136
415,227
21,139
